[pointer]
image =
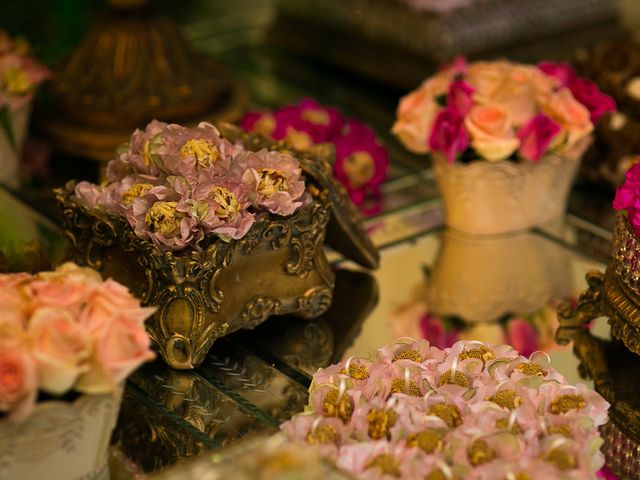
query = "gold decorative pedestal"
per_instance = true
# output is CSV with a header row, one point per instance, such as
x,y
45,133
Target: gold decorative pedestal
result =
x,y
134,66
204,293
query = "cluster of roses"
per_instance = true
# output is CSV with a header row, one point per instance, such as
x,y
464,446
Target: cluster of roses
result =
x,y
19,73
628,197
501,110
175,185
66,330
472,411
361,159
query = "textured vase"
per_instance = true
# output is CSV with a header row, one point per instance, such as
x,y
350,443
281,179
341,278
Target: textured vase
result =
x,y
10,157
497,197
485,278
60,440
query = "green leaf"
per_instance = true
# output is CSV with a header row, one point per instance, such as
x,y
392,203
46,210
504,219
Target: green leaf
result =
x,y
5,124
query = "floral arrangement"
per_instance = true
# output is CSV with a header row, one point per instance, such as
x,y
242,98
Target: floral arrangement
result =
x,y
66,330
526,333
19,76
361,159
472,411
628,197
176,185
501,110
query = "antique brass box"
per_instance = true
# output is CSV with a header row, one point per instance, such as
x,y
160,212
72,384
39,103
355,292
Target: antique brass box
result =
x,y
204,293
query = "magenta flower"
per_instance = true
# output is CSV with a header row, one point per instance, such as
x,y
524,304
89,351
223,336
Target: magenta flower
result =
x,y
308,122
628,197
536,136
435,331
522,336
561,71
588,93
449,135
459,97
361,161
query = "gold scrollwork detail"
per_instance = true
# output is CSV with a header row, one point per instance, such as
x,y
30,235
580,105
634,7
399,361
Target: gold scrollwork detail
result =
x,y
258,310
315,302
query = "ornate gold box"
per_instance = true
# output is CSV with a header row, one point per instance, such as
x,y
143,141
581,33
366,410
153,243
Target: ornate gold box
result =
x,y
202,294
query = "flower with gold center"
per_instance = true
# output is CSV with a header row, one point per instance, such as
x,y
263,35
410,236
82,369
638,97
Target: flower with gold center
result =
x,y
16,81
228,206
506,399
321,435
134,191
298,139
428,440
380,423
162,217
565,403
332,406
449,413
271,181
315,116
458,378
205,152
359,168
386,463
480,452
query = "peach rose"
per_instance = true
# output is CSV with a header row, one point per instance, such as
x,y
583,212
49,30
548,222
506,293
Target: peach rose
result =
x,y
61,347
112,300
18,380
122,347
519,89
71,272
491,131
574,118
417,111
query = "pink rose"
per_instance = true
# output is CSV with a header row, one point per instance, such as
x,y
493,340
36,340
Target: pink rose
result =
x,y
18,380
491,131
58,294
536,136
459,97
522,336
588,93
573,117
561,71
60,348
121,347
416,113
448,135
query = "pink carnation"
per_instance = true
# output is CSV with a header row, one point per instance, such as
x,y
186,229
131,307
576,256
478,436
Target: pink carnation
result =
x,y
449,136
536,136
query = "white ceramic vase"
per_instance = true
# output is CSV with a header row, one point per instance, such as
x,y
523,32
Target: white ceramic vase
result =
x,y
60,440
497,197
9,157
484,278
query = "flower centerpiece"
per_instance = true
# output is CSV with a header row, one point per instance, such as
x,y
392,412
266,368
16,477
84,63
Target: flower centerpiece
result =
x,y
361,160
225,233
20,75
68,340
472,411
505,139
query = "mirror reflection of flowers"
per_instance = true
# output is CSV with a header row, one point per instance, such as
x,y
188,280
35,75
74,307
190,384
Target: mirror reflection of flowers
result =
x,y
499,110
361,159
527,333
176,185
66,331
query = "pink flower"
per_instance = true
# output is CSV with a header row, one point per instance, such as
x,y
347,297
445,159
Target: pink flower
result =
x,y
60,347
273,180
18,380
19,77
308,119
361,161
448,135
121,347
435,331
536,136
459,97
561,71
522,336
588,93
573,117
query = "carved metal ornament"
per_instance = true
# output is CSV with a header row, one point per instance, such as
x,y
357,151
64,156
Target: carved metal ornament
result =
x,y
614,294
204,293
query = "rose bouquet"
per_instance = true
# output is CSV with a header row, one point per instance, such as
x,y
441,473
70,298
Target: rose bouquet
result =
x,y
68,341
20,75
361,160
530,123
176,185
472,411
